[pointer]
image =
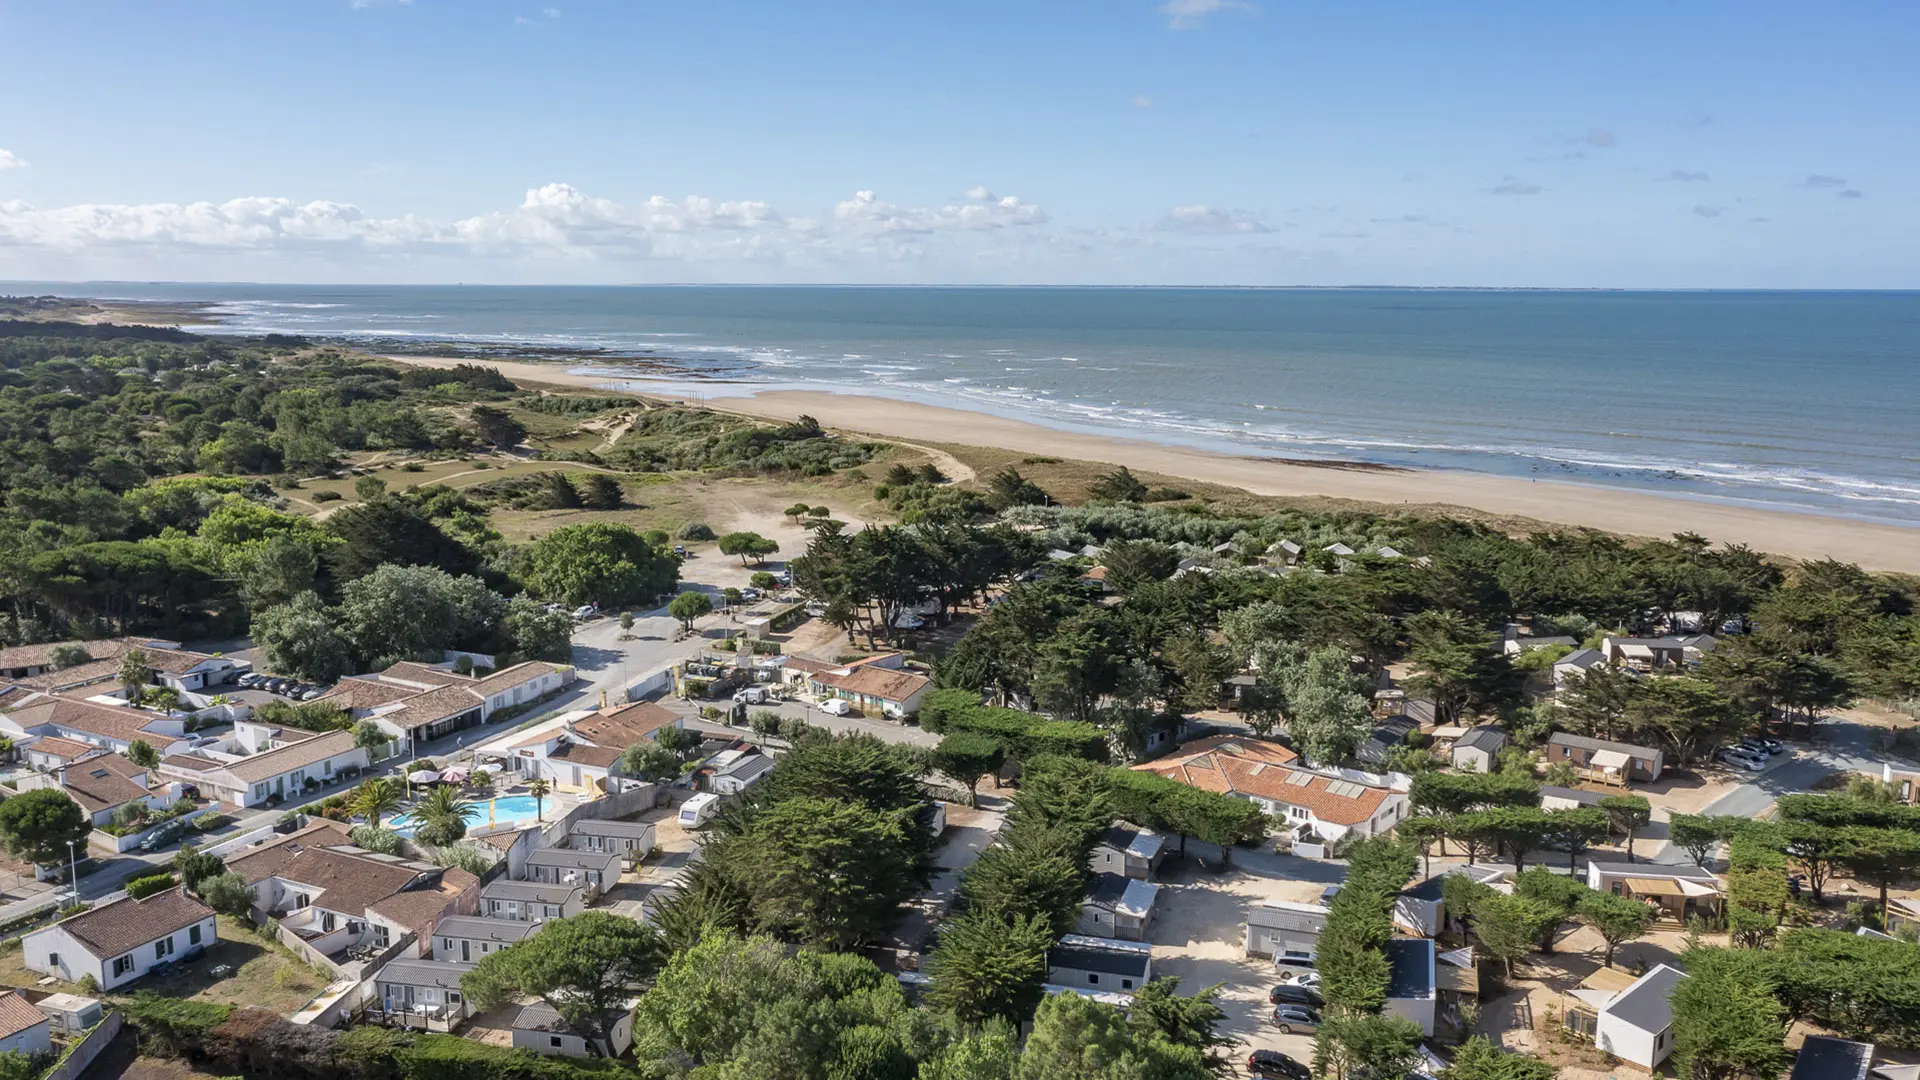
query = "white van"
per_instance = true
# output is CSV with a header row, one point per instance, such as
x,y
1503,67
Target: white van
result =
x,y
695,812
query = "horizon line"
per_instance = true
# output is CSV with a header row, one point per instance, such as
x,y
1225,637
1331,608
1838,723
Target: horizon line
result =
x,y
1352,287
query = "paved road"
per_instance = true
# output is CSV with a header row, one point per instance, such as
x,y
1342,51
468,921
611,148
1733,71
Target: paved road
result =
x,y
1844,746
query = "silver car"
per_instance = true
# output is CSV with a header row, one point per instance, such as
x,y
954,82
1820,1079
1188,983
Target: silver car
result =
x,y
1292,1018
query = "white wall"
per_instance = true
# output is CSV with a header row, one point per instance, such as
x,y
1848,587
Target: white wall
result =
x,y
42,947
37,1039
1629,1043
1418,1010
566,1044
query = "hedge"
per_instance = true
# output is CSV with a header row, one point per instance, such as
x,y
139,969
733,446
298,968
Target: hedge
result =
x,y
148,884
1024,734
182,1025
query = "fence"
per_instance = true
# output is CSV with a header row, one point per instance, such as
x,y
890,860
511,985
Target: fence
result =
x,y
245,839
651,684
80,1054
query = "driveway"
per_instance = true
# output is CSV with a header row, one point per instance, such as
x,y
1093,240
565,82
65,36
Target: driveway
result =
x,y
1844,746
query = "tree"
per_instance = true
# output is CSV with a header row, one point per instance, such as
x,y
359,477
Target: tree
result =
x,y
441,818
1120,485
416,612
368,736
585,967
196,867
1627,814
796,512
1509,927
1617,919
1681,711
301,638
1132,563
1575,830
538,787
376,798
143,754
600,563
1036,874
62,657
626,626
1878,857
731,597
991,1052
1160,1012
650,761
368,488
534,633
1727,1021
1455,663
1479,1059
39,824
1325,701
1362,1047
983,967
966,757
830,872
391,529
1815,848
689,606
228,894
1008,488
135,675
763,580
598,491
748,545
1695,834
496,428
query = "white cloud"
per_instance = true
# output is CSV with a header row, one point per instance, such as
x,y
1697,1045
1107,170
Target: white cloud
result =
x,y
550,12
1187,14
1203,220
1513,185
11,160
1682,176
1142,101
866,213
1599,137
1819,181
1707,211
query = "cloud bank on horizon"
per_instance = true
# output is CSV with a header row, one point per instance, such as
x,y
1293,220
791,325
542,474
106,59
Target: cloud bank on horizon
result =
x,y
1161,142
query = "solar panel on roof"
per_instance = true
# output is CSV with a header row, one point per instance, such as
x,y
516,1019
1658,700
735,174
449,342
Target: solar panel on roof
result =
x,y
1300,779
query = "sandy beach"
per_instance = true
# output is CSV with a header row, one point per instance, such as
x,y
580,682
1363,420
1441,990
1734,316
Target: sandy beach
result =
x,y
1804,536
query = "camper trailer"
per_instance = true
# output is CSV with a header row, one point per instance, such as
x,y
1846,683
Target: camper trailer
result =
x,y
697,811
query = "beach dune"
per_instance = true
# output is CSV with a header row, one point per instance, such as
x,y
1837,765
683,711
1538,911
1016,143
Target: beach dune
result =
x,y
1800,535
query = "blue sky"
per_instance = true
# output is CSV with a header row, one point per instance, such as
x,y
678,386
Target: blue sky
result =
x,y
1120,141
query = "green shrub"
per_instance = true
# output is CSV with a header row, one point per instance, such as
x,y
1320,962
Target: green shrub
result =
x,y
326,496
180,1025
148,884
696,531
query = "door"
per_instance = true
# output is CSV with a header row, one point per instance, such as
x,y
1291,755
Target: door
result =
x,y
464,948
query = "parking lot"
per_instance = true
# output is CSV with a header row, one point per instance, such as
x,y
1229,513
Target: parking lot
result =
x,y
1198,934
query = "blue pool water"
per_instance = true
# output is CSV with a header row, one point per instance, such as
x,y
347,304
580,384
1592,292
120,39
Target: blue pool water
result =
x,y
507,809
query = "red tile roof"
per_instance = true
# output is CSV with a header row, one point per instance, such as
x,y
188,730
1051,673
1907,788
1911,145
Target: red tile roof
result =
x,y
1237,765
18,1015
126,924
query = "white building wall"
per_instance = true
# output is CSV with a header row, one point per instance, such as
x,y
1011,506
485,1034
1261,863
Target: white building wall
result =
x,y
37,1039
1628,1043
1418,1010
55,952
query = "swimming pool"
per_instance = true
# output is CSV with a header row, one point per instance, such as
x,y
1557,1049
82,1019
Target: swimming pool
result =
x,y
500,810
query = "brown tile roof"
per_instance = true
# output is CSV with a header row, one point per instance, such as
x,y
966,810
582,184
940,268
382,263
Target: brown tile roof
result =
x,y
509,677
18,1015
77,675
626,725
419,909
598,757
350,881
66,748
304,752
365,693
433,705
259,863
174,661
889,684
102,782
1233,764
191,762
110,721
413,671
20,656
126,923
809,666
502,840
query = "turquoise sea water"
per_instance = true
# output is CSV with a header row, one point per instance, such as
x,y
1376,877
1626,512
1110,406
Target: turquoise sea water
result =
x,y
1801,400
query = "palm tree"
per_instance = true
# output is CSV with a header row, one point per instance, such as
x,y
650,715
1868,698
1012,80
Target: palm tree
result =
x,y
538,788
441,818
376,799
134,674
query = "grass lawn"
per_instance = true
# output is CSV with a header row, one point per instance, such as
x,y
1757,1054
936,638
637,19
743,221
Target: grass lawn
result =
x,y
264,973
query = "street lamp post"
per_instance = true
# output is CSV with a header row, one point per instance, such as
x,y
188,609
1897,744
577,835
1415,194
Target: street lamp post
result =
x,y
73,871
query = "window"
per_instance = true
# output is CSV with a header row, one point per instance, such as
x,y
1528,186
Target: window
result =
x,y
326,922
121,964
380,935
1093,980
1299,813
193,935
299,901
453,997
446,943
53,959
1126,984
553,1041
163,948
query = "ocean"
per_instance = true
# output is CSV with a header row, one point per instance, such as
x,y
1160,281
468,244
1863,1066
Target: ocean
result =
x,y
1798,400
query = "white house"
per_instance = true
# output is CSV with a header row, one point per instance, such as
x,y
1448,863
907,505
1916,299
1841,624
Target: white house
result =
x,y
1284,930
1327,805
1099,964
1478,750
121,940
428,989
1127,851
467,938
259,762
631,840
583,750
1574,664
530,901
23,1028
1117,907
733,771
1422,909
1636,1025
103,725
540,1029
416,702
873,688
593,870
101,784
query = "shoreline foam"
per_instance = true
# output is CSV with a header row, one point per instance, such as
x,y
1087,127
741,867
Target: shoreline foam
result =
x,y
1872,545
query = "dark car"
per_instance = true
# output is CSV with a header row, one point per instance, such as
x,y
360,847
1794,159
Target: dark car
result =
x,y
1276,1066
1289,994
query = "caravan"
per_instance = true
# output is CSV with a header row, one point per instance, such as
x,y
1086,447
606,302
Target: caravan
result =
x,y
697,811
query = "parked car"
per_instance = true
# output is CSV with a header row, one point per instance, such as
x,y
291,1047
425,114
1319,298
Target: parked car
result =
x,y
1764,743
752,695
836,707
1289,962
1292,1018
1327,894
1292,994
907,620
585,611
1742,759
250,680
310,693
1302,977
1275,1065
749,594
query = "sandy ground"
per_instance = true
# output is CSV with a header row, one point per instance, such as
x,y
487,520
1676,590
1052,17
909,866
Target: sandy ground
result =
x,y
1806,536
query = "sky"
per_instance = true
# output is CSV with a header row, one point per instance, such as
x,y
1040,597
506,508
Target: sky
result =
x,y
1216,142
